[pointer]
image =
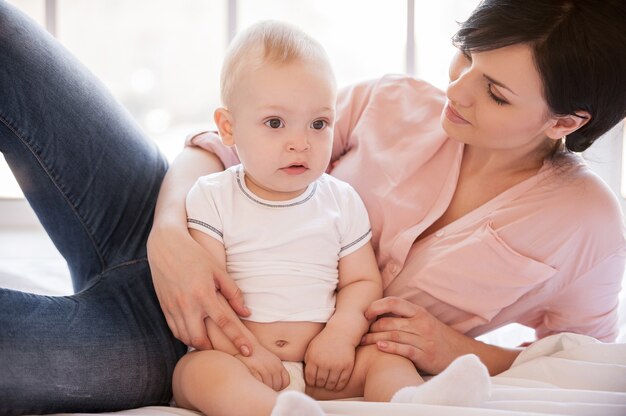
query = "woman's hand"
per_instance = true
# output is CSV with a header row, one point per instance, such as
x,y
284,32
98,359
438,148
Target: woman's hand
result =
x,y
410,331
185,279
190,296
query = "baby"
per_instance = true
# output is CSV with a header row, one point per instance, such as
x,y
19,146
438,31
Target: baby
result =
x,y
296,241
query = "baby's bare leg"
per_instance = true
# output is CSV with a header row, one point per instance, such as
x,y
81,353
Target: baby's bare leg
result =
x,y
377,376
216,383
388,373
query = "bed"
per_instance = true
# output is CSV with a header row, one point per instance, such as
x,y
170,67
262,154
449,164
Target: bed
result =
x,y
565,374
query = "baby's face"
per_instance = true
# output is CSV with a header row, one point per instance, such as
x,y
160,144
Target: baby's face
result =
x,y
282,121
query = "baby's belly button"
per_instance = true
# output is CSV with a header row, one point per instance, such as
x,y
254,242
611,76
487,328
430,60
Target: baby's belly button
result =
x,y
288,350
281,343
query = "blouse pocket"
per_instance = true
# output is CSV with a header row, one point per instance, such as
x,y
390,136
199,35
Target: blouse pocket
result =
x,y
480,274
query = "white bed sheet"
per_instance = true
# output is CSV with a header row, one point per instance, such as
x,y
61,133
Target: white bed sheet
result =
x,y
565,374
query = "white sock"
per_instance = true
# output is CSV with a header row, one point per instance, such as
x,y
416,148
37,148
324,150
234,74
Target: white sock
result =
x,y
465,382
294,403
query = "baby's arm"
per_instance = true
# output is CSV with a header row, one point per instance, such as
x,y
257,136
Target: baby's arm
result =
x,y
263,364
330,356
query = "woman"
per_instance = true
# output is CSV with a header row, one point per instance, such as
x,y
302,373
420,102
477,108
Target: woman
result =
x,y
500,187
475,225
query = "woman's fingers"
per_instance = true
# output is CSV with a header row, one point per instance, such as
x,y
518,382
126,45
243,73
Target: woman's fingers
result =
x,y
405,350
402,343
392,336
220,312
171,321
175,320
229,289
197,331
393,324
391,305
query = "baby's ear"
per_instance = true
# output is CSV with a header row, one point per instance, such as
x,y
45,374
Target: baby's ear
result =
x,y
223,120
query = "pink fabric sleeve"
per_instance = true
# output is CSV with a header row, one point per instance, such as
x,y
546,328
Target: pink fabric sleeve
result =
x,y
210,141
589,305
351,102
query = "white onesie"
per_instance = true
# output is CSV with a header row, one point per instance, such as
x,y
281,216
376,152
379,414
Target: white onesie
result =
x,y
283,255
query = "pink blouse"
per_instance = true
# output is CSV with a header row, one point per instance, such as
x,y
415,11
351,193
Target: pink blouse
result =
x,y
548,253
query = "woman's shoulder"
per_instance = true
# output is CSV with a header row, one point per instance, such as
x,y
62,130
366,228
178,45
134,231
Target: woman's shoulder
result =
x,y
584,198
407,87
402,87
403,81
580,183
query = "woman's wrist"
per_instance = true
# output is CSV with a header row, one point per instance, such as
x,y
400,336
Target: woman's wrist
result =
x,y
496,359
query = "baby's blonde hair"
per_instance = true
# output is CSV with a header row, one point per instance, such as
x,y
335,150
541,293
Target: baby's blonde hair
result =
x,y
267,42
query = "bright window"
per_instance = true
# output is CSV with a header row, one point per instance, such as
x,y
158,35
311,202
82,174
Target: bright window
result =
x,y
161,58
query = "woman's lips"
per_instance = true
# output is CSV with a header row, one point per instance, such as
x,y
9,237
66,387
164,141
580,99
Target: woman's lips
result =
x,y
453,116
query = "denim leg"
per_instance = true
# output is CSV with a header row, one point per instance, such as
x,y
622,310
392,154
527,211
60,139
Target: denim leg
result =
x,y
84,165
104,349
92,178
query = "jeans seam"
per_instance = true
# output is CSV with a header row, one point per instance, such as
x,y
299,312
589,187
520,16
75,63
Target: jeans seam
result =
x,y
126,263
22,138
98,278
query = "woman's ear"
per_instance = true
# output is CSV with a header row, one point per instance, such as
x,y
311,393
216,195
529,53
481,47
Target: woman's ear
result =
x,y
564,125
223,120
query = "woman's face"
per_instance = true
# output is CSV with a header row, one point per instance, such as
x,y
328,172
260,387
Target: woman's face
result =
x,y
495,101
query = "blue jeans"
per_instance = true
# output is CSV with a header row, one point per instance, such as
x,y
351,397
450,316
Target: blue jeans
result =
x,y
92,177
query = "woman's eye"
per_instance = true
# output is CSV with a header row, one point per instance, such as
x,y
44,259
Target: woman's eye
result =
x,y
319,124
274,123
494,97
466,54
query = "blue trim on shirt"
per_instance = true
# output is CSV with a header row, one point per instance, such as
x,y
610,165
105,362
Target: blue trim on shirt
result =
x,y
205,225
356,241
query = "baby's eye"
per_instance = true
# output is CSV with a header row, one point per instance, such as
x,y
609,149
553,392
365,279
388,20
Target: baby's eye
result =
x,y
274,123
319,124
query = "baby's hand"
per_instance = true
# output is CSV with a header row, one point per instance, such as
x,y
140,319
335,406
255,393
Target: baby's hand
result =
x,y
329,362
266,367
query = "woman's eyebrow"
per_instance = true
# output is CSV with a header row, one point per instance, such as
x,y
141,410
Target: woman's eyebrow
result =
x,y
498,83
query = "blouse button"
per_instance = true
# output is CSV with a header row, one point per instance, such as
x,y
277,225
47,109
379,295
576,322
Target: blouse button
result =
x,y
440,233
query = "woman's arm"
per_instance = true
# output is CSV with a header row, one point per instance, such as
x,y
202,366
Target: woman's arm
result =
x,y
184,279
410,331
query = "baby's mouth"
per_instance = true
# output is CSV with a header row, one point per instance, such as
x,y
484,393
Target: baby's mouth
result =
x,y
295,168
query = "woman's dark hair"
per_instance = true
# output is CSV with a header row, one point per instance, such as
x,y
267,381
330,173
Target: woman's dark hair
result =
x,y
579,48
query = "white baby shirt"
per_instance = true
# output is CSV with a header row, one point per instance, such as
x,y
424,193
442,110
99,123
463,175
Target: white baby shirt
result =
x,y
283,254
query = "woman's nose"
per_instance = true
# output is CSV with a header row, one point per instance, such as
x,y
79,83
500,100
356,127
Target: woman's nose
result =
x,y
460,92
459,89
